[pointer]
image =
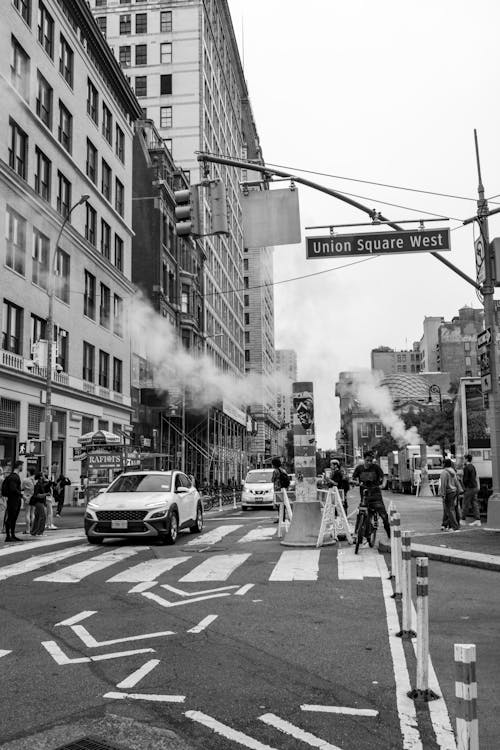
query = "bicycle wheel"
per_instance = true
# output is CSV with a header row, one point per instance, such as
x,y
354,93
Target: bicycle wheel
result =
x,y
359,532
372,530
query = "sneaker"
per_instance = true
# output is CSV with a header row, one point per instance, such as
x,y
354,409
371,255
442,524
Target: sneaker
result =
x,y
455,530
57,515
52,528
477,522
462,523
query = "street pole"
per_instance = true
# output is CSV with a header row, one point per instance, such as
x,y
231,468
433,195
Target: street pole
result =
x,y
183,428
487,290
50,342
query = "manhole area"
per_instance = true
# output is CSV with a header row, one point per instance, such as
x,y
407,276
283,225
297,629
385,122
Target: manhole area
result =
x,y
89,743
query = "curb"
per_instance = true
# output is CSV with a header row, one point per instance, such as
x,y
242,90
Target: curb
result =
x,y
454,556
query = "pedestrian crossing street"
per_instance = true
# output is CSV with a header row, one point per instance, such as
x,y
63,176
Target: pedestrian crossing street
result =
x,y
184,566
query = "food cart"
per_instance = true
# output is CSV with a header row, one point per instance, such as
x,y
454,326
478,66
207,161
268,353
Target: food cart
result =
x,y
107,455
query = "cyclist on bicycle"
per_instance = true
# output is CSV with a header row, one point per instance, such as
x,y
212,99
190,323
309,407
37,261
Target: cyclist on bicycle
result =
x,y
369,476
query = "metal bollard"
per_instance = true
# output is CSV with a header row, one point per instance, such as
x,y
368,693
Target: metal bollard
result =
x,y
281,519
422,691
466,693
392,512
220,500
396,561
406,633
234,499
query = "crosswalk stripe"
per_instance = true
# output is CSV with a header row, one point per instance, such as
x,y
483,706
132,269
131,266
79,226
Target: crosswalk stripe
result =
x,y
216,568
297,565
213,536
257,535
75,573
147,571
45,542
40,561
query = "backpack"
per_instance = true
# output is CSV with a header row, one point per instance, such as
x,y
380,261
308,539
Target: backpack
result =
x,y
284,479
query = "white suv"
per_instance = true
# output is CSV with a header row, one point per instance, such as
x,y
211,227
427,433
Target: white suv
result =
x,y
145,504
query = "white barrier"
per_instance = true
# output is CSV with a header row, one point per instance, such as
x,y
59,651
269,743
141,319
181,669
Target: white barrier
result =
x,y
466,694
422,691
396,560
392,511
406,632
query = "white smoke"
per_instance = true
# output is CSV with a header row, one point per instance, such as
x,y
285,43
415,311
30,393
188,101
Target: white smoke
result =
x,y
377,398
175,368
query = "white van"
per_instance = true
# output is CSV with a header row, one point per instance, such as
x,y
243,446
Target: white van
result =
x,y
258,489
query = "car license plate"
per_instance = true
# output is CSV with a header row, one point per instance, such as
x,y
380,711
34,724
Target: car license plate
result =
x,y
119,524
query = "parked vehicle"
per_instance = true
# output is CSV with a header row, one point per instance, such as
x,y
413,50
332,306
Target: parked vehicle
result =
x,y
145,504
409,468
258,489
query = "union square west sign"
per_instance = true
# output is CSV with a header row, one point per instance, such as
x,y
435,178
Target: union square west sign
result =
x,y
378,243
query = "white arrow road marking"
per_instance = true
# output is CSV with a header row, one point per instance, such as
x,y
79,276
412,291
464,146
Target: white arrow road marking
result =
x,y
196,593
166,603
89,640
216,568
146,697
213,536
225,731
297,565
139,674
40,561
60,657
258,535
203,624
75,573
297,732
340,710
147,571
3,652
77,618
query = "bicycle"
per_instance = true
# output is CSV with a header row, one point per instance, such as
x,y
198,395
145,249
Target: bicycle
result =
x,y
366,524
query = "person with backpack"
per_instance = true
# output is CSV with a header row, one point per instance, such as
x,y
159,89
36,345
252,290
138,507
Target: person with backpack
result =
x,y
38,501
449,490
281,481
11,490
470,492
61,483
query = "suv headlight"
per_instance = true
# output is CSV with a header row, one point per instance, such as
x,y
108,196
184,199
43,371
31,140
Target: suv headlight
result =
x,y
158,514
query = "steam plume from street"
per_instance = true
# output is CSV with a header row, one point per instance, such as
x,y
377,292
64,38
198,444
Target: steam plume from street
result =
x,y
372,395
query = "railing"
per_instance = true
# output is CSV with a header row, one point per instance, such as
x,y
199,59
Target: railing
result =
x,y
215,498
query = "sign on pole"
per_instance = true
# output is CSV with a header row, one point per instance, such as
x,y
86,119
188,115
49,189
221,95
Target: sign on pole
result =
x,y
480,261
484,338
378,243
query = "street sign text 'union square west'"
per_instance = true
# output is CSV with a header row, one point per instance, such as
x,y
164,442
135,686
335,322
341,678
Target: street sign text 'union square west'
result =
x,y
378,243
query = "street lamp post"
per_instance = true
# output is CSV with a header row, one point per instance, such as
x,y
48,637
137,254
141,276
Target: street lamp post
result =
x,y
50,340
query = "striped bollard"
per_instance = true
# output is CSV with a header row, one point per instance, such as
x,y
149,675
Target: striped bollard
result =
x,y
392,511
406,633
396,561
281,519
220,500
234,499
422,691
466,693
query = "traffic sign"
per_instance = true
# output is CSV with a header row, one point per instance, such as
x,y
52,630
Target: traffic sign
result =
x,y
480,261
486,383
484,338
484,362
378,243
22,449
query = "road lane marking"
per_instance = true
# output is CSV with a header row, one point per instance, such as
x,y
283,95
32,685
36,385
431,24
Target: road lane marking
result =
x,y
166,603
75,573
144,586
340,710
147,571
299,734
203,624
297,565
232,734
216,568
4,652
139,674
243,590
40,561
146,697
89,640
258,535
196,593
405,705
213,536
33,545
77,618
62,659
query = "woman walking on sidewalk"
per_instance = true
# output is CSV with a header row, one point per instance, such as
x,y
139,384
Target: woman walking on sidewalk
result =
x,y
449,492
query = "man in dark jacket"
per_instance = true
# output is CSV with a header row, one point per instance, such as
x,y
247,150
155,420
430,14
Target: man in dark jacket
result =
x,y
369,476
470,483
11,489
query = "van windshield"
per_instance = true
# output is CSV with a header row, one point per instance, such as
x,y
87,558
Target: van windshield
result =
x,y
259,477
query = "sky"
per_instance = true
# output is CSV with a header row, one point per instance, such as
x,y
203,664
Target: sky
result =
x,y
384,92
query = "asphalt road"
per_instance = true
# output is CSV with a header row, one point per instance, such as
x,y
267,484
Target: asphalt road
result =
x,y
227,652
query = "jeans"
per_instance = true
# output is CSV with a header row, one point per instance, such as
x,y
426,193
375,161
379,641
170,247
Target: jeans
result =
x,y
39,520
12,512
29,511
470,498
449,517
379,507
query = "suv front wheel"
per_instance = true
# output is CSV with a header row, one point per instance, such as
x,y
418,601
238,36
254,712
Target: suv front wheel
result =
x,y
172,530
197,526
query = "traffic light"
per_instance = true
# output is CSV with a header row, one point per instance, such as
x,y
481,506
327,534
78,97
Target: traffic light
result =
x,y
218,207
187,211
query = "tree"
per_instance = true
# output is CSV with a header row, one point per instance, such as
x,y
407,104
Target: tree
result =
x,y
435,426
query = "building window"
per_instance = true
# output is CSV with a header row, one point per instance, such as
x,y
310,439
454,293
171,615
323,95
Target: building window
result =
x,y
125,56
107,123
166,20
468,362
88,362
247,319
62,273
38,328
118,252
141,86
66,61
45,29
185,299
103,369
364,430
117,375
101,3
246,300
23,7
91,161
44,101
92,101
40,259
125,24
117,315
141,54
90,225
166,52
18,149
19,69
247,355
61,337
467,346
15,236
87,425
101,22
105,306
141,23
120,143
119,196
165,84
105,239
63,195
379,430
65,128
12,321
43,168
89,296
165,117
106,180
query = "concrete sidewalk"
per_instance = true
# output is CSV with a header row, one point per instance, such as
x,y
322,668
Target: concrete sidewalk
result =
x,y
473,546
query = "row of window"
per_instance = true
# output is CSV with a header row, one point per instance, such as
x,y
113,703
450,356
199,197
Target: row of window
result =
x,y
141,54
89,304
91,169
141,87
103,362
